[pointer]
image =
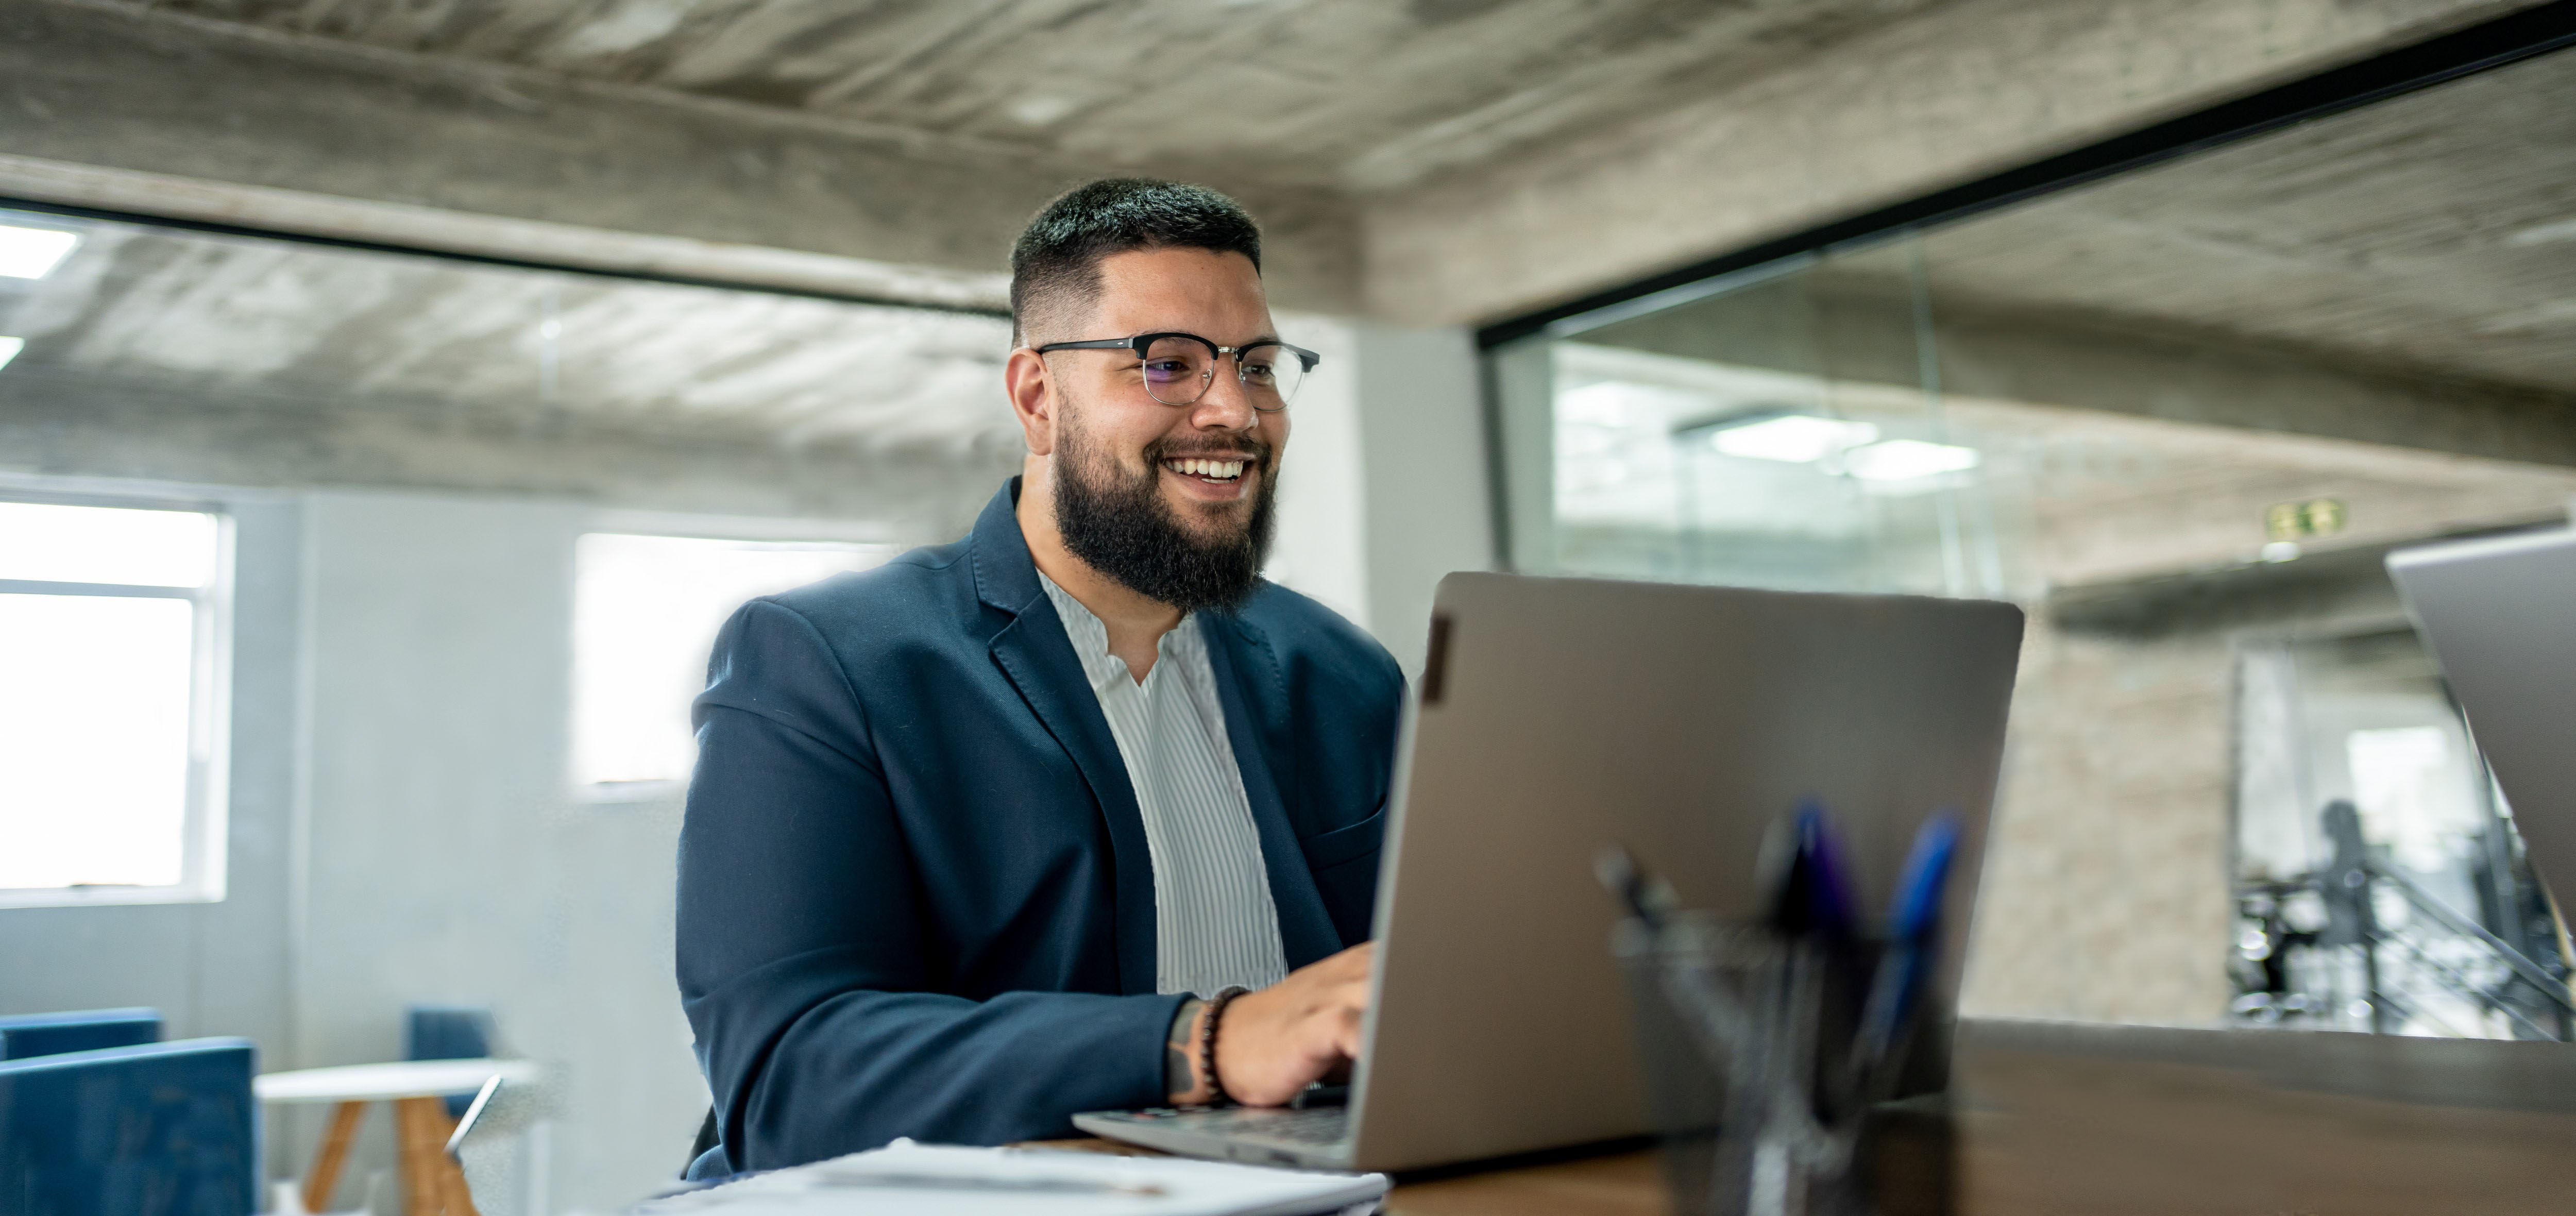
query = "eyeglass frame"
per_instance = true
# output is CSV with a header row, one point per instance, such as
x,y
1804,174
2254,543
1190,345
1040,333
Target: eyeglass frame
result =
x,y
1143,344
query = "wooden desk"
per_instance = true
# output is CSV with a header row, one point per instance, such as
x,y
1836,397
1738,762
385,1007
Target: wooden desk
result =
x,y
1626,1184
2054,1119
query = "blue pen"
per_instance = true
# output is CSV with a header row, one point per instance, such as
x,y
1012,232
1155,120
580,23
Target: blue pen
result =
x,y
1898,985
1815,894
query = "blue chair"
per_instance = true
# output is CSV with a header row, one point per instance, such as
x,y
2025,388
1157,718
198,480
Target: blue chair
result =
x,y
44,1034
448,1032
162,1129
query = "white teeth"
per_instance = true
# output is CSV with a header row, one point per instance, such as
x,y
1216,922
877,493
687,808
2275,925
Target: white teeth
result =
x,y
1221,470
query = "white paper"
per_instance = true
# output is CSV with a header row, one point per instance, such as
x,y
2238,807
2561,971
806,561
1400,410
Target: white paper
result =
x,y
908,1179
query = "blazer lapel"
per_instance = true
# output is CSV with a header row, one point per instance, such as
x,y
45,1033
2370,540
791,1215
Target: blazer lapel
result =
x,y
1034,653
1247,676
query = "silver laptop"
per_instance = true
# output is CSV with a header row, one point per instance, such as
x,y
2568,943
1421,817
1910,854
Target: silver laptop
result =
x,y
2500,615
1560,715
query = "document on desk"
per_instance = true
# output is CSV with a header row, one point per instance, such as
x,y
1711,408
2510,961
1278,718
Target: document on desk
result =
x,y
931,1180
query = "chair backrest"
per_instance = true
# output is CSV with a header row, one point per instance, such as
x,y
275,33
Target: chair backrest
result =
x,y
448,1032
45,1034
161,1129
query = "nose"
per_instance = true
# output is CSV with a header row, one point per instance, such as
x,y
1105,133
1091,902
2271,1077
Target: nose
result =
x,y
1225,406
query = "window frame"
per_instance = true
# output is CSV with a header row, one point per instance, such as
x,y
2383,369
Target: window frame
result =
x,y
207,815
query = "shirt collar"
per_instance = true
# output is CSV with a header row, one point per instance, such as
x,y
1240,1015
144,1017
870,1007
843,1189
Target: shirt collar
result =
x,y
1090,638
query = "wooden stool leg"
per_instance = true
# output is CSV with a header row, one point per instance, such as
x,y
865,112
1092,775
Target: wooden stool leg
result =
x,y
419,1180
451,1174
432,1185
325,1175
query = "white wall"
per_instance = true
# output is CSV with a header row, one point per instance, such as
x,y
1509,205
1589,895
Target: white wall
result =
x,y
1383,488
448,861
1321,545
1428,508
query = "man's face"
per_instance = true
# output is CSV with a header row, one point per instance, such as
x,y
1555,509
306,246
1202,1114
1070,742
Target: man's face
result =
x,y
1172,500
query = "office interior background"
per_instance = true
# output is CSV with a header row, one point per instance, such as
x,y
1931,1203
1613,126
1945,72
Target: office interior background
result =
x,y
397,396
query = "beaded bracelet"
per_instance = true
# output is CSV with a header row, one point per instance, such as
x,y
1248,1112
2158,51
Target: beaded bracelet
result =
x,y
1207,1042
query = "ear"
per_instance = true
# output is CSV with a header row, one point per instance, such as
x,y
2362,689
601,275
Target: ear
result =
x,y
1031,387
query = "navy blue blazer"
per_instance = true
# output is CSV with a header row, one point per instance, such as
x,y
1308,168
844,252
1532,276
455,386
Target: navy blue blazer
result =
x,y
914,894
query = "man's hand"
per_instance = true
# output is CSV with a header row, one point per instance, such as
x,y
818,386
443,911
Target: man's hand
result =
x,y
1273,1043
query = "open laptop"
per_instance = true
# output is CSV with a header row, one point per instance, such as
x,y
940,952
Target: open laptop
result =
x,y
1560,715
2500,615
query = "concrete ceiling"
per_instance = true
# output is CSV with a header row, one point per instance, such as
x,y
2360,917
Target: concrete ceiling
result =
x,y
275,324
2435,234
2431,233
1335,93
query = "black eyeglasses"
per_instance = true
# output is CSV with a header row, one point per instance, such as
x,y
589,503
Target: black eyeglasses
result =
x,y
1179,367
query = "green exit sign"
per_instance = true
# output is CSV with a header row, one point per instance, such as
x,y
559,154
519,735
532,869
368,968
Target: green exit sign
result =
x,y
2300,520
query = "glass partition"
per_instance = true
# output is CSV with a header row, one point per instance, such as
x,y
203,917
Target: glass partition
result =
x,y
2180,415
1787,432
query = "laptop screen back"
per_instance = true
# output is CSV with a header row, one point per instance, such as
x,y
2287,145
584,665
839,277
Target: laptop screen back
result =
x,y
2500,616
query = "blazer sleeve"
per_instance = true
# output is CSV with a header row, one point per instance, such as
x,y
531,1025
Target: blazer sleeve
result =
x,y
807,962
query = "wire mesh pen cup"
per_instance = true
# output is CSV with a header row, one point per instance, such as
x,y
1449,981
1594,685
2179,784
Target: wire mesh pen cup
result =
x,y
1745,1036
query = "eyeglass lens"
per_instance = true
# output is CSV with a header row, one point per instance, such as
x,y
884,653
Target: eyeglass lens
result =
x,y
1178,371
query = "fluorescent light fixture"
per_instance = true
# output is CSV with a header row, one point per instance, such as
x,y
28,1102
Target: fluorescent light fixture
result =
x,y
1907,459
2542,234
1794,438
9,348
32,253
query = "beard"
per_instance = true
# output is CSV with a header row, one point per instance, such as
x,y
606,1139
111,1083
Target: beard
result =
x,y
1122,527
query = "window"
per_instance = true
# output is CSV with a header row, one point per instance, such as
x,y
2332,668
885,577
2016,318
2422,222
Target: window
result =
x,y
645,614
111,695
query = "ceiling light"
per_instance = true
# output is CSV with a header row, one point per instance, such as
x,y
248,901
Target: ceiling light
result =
x,y
1907,459
9,348
1041,110
32,253
1618,403
2542,234
1795,438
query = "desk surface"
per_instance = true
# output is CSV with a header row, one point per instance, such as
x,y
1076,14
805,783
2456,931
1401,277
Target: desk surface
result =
x,y
2117,1120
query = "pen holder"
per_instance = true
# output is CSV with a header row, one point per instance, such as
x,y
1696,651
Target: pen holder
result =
x,y
1748,1041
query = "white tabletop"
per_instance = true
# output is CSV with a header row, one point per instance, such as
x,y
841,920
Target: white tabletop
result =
x,y
382,1082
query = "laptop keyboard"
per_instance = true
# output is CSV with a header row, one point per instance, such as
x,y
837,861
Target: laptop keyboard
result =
x,y
1324,1126
1321,1125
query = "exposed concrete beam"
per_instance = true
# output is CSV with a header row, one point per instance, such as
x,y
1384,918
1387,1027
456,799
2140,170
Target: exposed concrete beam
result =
x,y
181,98
89,426
2257,388
457,232
2175,377
1959,92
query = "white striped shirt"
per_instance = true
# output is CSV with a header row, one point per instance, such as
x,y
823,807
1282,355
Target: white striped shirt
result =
x,y
1214,923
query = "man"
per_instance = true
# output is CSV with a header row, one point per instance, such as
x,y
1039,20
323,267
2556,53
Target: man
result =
x,y
985,836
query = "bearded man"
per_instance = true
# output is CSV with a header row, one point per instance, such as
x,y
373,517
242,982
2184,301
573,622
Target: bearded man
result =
x,y
1052,818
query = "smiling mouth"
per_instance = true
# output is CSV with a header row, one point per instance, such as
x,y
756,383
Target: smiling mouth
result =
x,y
1213,471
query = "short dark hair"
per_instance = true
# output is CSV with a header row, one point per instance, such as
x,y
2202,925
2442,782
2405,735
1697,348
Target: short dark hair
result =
x,y
1057,259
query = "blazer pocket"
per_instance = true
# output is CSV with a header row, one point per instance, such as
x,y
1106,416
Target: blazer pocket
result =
x,y
1324,850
